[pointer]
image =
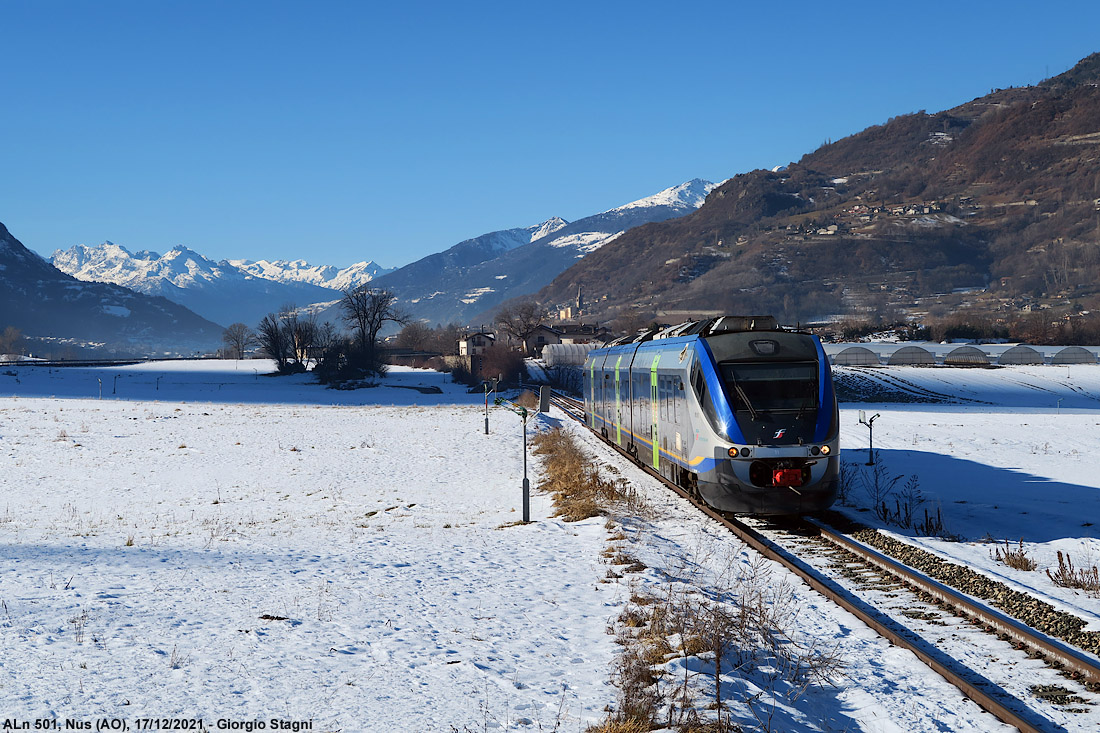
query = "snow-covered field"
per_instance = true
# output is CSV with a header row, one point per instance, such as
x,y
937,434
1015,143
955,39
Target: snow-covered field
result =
x,y
206,542
271,549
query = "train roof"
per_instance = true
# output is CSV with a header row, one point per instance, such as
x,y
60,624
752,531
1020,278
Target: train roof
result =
x,y
707,327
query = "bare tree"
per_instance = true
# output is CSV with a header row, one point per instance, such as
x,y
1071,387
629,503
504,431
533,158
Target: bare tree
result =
x,y
367,311
630,321
415,335
521,320
274,340
326,337
445,338
302,332
238,339
11,340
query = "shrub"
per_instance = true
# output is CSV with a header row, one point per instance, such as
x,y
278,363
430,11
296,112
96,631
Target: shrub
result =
x,y
1067,576
1014,557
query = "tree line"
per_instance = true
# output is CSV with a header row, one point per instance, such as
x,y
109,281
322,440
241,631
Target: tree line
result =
x,y
293,338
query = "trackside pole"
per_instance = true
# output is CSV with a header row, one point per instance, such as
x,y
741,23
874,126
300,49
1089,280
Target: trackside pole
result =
x,y
870,435
526,482
524,414
493,382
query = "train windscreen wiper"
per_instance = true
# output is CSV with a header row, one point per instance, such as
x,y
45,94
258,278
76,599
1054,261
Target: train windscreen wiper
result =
x,y
810,402
745,398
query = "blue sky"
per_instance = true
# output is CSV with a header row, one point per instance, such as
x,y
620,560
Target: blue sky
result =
x,y
341,131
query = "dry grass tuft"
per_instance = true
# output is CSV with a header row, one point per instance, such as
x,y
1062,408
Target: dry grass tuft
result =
x,y
744,623
633,725
1014,557
578,486
1067,576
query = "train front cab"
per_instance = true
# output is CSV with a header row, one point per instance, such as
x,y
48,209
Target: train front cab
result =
x,y
781,457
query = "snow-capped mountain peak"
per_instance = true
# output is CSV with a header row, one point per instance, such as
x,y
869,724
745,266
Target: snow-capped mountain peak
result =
x,y
472,277
224,291
547,227
688,195
300,271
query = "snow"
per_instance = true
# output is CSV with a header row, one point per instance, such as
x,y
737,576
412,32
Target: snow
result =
x,y
325,276
476,294
145,271
585,242
146,538
206,541
546,228
690,194
181,267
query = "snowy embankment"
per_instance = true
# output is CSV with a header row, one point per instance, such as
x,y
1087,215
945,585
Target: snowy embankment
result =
x,y
248,555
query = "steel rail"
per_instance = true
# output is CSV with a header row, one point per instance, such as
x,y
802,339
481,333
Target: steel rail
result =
x,y
1073,660
1028,722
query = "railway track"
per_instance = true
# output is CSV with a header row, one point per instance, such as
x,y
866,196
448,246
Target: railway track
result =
x,y
786,543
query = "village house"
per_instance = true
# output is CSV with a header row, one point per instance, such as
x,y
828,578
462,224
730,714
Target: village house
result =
x,y
565,333
475,344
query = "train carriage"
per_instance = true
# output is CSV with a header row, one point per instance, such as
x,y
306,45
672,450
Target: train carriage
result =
x,y
737,410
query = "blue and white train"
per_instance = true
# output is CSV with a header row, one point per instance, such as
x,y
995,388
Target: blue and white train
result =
x,y
736,410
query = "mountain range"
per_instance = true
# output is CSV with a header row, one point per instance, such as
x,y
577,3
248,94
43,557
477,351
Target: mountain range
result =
x,y
990,208
40,300
227,291
465,283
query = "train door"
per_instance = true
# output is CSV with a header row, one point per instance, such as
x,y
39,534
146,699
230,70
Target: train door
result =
x,y
639,418
619,394
654,407
607,398
591,391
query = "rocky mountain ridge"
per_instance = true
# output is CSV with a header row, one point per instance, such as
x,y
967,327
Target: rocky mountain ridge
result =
x,y
991,207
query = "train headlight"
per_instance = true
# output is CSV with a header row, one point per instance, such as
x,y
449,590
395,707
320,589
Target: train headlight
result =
x,y
743,452
815,450
825,450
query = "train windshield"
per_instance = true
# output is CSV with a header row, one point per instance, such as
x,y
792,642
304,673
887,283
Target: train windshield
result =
x,y
772,386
